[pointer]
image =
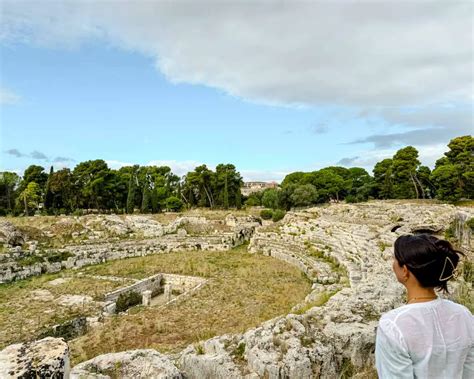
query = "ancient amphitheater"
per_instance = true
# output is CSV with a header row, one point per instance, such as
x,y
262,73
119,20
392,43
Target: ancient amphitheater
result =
x,y
344,250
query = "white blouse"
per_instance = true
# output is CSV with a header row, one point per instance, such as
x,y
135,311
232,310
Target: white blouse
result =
x,y
434,339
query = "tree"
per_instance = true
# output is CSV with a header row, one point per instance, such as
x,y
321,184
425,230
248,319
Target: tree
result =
x,y
174,204
35,174
454,174
90,178
132,184
404,168
61,188
383,179
360,184
446,179
146,199
48,195
270,198
304,195
30,197
9,182
328,184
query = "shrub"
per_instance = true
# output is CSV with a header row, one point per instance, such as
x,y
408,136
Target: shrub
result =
x,y
278,214
266,214
78,212
59,256
174,204
127,300
470,223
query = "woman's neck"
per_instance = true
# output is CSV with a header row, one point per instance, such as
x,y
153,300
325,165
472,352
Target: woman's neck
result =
x,y
416,294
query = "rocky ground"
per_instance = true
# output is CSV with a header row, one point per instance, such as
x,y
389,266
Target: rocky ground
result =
x,y
346,251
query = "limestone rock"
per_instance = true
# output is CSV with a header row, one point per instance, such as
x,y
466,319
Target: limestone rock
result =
x,y
135,364
46,358
10,234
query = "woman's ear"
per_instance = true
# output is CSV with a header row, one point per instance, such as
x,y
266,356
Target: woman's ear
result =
x,y
405,273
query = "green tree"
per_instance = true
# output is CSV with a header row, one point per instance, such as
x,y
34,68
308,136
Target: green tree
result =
x,y
270,198
9,182
174,204
90,179
454,174
404,168
30,197
132,184
48,195
383,179
446,179
304,195
62,190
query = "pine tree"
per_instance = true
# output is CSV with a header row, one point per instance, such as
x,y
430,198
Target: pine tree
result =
x,y
226,193
48,196
146,199
131,194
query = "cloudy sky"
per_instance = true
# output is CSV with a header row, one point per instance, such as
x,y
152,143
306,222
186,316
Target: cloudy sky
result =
x,y
271,86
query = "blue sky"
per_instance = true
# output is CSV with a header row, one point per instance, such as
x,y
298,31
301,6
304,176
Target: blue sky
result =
x,y
67,99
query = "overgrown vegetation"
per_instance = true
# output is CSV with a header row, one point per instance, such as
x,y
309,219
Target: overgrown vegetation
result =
x,y
127,300
31,306
243,290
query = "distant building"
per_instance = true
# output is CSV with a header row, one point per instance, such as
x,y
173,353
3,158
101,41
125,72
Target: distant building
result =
x,y
250,187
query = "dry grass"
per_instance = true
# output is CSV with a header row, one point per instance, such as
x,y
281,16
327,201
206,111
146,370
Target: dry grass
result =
x,y
23,316
243,290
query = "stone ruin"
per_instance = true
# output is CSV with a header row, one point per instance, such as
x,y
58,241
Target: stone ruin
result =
x,y
155,238
160,285
346,251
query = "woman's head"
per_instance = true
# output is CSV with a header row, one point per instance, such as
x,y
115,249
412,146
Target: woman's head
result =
x,y
431,260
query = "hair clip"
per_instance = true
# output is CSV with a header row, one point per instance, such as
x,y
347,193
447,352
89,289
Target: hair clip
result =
x,y
454,271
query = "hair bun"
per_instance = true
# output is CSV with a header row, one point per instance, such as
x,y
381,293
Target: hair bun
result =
x,y
445,247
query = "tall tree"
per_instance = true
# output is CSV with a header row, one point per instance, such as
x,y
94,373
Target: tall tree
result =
x,y
383,179
454,173
48,195
404,166
30,197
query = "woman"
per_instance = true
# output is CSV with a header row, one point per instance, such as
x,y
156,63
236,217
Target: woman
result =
x,y
428,337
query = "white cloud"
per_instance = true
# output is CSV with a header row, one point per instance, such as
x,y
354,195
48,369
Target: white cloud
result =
x,y
115,165
8,97
263,175
367,159
374,53
179,168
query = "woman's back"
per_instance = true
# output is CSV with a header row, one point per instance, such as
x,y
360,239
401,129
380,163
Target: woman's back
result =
x,y
432,339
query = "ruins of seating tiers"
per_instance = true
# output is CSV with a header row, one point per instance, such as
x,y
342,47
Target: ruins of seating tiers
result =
x,y
344,250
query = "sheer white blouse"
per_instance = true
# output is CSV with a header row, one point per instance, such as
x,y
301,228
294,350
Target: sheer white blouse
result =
x,y
434,339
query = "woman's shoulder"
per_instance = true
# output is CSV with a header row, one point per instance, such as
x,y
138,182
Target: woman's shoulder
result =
x,y
418,311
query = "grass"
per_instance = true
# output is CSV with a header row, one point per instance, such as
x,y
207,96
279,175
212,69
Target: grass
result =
x,y
322,299
24,316
243,290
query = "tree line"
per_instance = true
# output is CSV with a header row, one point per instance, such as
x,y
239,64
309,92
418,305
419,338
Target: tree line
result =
x,y
151,189
92,185
399,177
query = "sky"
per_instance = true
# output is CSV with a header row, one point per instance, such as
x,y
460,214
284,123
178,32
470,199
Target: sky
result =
x,y
271,87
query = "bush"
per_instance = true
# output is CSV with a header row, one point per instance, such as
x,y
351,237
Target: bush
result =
x,y
470,223
78,212
278,214
266,214
174,204
127,300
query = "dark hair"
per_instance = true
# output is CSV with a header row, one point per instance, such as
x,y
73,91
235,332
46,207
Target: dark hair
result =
x,y
430,259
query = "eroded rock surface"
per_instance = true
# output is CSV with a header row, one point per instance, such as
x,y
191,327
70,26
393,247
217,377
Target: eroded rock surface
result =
x,y
10,234
345,250
135,364
46,358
